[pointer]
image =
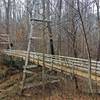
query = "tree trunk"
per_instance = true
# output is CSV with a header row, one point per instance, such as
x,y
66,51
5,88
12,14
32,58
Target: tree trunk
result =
x,y
87,47
50,29
59,26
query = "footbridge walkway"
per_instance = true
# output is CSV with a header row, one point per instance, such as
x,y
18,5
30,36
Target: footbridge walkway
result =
x,y
69,65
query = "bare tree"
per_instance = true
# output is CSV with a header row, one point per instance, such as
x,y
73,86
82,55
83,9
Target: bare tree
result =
x,y
98,19
87,46
49,28
59,5
43,68
98,48
14,23
7,9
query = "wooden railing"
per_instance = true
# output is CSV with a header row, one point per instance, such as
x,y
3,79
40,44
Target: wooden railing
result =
x,y
61,63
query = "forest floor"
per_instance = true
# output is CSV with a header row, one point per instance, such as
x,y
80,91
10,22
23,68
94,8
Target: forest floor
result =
x,y
62,90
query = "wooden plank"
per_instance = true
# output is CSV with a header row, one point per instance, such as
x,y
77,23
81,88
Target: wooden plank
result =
x,y
27,71
31,66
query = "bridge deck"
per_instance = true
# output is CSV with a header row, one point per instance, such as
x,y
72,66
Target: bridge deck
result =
x,y
61,63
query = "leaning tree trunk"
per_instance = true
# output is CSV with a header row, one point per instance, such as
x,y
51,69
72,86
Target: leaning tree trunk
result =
x,y
87,47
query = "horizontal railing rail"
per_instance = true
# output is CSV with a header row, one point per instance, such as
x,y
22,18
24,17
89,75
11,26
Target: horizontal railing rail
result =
x,y
62,61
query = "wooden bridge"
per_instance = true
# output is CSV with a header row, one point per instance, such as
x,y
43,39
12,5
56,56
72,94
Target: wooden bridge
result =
x,y
69,65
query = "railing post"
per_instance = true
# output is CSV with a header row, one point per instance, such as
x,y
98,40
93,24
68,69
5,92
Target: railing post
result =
x,y
61,65
73,68
38,59
51,62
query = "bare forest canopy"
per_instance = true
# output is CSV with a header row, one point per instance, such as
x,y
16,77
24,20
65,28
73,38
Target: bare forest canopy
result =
x,y
71,27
